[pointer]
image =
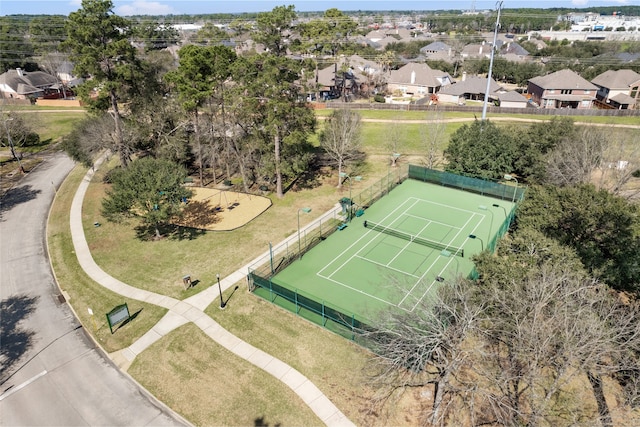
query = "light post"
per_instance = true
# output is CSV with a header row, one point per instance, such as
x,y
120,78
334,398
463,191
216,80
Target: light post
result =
x,y
484,208
509,177
493,49
222,305
473,236
495,205
13,149
305,210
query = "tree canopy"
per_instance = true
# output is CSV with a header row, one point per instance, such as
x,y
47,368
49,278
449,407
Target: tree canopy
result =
x,y
100,48
149,188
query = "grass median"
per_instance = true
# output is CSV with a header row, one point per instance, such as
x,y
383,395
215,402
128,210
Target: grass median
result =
x,y
82,292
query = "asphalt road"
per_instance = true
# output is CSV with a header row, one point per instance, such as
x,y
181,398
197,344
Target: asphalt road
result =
x,y
51,373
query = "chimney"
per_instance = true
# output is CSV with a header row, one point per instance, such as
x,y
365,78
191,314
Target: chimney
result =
x,y
413,77
464,75
20,72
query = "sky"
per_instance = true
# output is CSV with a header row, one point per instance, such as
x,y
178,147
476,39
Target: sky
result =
x,y
178,7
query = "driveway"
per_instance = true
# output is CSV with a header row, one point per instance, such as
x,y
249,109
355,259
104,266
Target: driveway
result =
x,y
51,372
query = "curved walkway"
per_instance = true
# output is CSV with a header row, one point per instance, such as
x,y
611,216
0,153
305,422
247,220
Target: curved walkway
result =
x,y
192,310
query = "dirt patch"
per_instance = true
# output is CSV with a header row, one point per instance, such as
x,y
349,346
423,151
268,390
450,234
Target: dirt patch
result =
x,y
220,210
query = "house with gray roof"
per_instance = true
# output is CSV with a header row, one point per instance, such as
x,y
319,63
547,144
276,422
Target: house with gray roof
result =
x,y
619,89
562,89
415,79
472,88
512,51
438,51
509,99
476,51
20,84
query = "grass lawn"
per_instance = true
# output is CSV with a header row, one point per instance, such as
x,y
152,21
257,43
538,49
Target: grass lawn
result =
x,y
82,292
159,266
208,385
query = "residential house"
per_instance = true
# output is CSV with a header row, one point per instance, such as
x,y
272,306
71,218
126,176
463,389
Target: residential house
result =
x,y
470,88
438,51
416,79
619,89
562,89
476,51
350,76
20,84
512,51
509,99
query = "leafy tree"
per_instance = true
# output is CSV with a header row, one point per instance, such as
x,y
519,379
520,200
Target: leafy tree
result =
x,y
480,150
149,188
327,36
273,29
534,145
340,138
602,228
270,108
100,48
202,70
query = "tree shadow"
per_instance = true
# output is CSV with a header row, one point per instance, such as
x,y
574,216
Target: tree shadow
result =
x,y
170,231
16,196
15,340
199,214
311,178
261,422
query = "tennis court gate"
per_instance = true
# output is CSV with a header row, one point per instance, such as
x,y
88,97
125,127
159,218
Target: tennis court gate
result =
x,y
309,306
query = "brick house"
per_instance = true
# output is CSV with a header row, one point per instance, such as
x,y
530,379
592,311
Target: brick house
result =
x,y
562,89
619,89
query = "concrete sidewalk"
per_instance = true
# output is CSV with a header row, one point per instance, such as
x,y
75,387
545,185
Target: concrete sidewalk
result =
x,y
192,310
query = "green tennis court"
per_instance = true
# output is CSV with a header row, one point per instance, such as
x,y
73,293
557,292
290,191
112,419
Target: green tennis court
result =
x,y
416,237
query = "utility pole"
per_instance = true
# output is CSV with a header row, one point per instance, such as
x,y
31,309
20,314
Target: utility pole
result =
x,y
493,49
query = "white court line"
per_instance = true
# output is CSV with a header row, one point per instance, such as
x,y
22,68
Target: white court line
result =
x,y
451,260
319,273
430,220
359,291
356,255
23,385
386,266
442,204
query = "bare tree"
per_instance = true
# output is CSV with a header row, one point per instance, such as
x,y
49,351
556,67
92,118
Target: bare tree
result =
x,y
621,158
341,138
574,159
507,350
424,348
395,136
433,137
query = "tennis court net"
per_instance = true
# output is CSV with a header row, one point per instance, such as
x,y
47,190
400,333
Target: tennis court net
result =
x,y
420,240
